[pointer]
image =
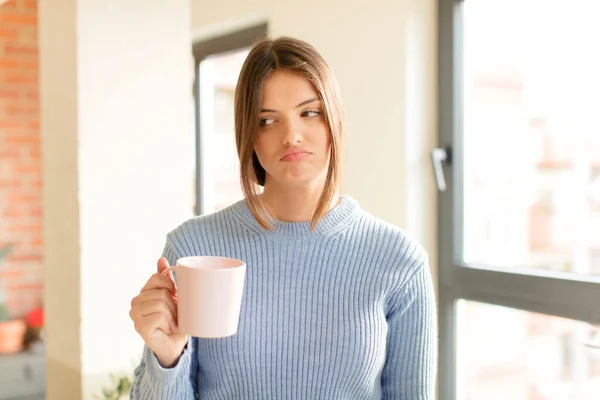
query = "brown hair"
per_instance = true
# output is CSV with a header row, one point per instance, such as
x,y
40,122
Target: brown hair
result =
x,y
267,56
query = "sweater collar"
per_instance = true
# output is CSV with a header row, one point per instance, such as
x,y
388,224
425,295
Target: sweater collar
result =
x,y
336,219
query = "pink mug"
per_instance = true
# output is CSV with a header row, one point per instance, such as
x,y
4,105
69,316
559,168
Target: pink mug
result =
x,y
209,295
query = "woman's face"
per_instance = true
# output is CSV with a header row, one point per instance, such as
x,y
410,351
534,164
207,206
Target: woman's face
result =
x,y
292,143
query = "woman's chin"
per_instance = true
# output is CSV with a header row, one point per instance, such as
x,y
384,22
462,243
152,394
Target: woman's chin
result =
x,y
304,181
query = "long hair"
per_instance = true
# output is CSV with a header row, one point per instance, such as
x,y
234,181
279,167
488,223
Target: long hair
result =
x,y
291,55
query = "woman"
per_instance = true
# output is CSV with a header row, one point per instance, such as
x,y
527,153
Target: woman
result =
x,y
337,304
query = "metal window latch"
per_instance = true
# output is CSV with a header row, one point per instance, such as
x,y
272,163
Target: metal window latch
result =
x,y
439,157
592,345
594,342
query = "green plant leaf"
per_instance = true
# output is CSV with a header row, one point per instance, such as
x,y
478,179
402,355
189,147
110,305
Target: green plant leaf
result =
x,y
4,314
122,386
4,251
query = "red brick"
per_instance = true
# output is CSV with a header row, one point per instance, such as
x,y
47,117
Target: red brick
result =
x,y
22,198
13,213
18,18
20,156
35,153
31,64
37,241
30,4
10,273
27,169
32,96
10,124
15,110
25,257
25,228
21,49
28,34
10,184
25,120
21,78
10,94
24,287
8,154
8,62
9,33
22,139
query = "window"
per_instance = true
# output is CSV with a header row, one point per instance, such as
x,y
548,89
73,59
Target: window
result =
x,y
220,177
519,220
218,63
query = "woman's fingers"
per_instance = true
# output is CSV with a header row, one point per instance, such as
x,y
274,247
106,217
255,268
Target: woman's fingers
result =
x,y
147,325
156,295
159,281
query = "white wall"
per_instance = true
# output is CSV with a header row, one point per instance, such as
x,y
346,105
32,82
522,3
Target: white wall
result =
x,y
384,56
118,145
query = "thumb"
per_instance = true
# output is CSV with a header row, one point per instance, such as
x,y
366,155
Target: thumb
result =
x,y
162,265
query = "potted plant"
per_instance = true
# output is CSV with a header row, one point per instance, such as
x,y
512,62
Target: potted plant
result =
x,y
11,329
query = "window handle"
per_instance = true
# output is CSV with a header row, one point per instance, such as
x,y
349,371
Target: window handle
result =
x,y
439,157
594,342
592,345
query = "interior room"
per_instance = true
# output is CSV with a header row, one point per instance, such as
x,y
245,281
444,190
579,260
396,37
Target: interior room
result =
x,y
471,125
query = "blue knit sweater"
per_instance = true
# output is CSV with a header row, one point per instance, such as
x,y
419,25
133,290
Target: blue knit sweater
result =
x,y
346,311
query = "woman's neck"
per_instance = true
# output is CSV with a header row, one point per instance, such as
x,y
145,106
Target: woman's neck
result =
x,y
294,205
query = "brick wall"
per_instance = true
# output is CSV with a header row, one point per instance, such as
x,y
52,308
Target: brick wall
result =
x,y
20,164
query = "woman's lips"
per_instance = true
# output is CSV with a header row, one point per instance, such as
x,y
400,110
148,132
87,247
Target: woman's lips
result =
x,y
295,156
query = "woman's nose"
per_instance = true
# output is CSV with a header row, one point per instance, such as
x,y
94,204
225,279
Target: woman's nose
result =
x,y
292,133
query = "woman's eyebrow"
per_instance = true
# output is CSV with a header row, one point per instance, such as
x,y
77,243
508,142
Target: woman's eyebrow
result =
x,y
305,102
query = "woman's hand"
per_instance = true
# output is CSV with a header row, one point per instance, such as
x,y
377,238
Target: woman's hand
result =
x,y
154,314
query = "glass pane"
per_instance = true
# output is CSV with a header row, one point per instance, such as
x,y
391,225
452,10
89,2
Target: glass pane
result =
x,y
531,134
505,353
220,178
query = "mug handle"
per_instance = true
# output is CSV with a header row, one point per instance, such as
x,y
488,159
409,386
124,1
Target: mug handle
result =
x,y
170,270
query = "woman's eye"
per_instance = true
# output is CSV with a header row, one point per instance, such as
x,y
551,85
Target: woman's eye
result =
x,y
266,121
310,114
